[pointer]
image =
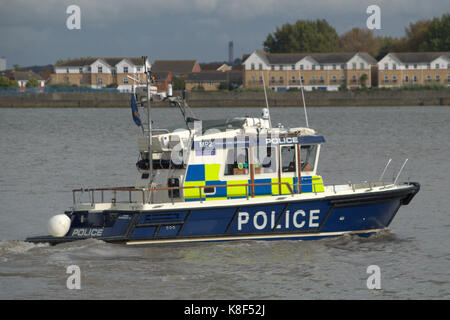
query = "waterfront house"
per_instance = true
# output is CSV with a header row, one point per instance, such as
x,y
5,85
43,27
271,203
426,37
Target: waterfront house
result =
x,y
414,68
101,72
213,80
22,78
178,68
317,71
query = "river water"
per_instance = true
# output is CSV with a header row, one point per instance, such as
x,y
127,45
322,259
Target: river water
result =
x,y
45,153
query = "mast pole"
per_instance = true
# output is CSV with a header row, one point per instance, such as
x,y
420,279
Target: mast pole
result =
x,y
267,102
303,98
149,124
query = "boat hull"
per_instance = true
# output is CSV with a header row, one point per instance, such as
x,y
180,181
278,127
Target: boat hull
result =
x,y
280,218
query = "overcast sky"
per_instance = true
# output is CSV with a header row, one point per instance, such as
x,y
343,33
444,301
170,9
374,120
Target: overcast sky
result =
x,y
34,32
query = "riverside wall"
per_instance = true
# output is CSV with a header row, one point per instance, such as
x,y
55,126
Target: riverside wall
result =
x,y
235,99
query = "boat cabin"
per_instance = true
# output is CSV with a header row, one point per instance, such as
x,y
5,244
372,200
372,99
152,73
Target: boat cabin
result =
x,y
229,159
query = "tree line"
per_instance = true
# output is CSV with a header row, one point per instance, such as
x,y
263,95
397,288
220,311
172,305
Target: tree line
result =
x,y
319,36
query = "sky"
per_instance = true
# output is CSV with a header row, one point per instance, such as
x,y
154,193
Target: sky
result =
x,y
34,32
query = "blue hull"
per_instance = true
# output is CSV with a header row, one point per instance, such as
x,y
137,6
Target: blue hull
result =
x,y
360,214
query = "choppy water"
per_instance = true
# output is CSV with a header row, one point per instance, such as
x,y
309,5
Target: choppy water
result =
x,y
45,153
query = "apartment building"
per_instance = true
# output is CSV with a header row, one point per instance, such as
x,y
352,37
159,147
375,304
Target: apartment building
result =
x,y
101,72
320,71
414,68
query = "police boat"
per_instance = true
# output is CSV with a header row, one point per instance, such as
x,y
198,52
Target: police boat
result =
x,y
223,180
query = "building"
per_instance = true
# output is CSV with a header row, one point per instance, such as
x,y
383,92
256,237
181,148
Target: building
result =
x,y
22,78
162,80
321,71
101,72
414,68
178,68
213,80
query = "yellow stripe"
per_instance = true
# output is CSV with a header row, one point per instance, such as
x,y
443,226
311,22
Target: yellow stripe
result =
x,y
236,191
193,193
284,188
212,172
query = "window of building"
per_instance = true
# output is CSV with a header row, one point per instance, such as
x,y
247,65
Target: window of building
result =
x,y
293,67
343,66
334,67
313,79
125,69
281,79
288,159
293,79
437,66
313,67
272,67
114,71
386,78
333,78
138,69
272,79
252,66
448,78
437,78
415,66
301,67
89,69
260,79
406,66
354,78
321,79
428,66
394,78
265,159
280,67
100,69
414,78
448,65
125,80
321,67
252,79
80,70
99,80
428,78
394,66
237,162
342,78
260,66
354,65
386,66
302,79
67,70
361,65
406,78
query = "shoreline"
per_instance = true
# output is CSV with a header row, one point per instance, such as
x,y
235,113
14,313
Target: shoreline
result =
x,y
231,99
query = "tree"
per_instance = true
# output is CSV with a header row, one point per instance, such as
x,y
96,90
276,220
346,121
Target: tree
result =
x,y
359,40
437,36
303,36
363,80
6,82
32,83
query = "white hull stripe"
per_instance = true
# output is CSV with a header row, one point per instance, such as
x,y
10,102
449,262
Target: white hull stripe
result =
x,y
256,237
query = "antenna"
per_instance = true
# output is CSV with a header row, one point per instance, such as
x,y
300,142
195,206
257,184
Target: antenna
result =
x,y
384,171
267,102
303,98
149,123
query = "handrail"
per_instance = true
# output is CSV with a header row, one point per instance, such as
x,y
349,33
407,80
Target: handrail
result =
x,y
92,190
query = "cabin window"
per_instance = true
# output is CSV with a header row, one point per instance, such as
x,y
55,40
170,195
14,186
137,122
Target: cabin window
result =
x,y
288,158
237,162
265,160
308,157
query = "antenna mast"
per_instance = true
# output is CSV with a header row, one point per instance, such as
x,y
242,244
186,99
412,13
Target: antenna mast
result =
x,y
267,102
149,123
303,98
